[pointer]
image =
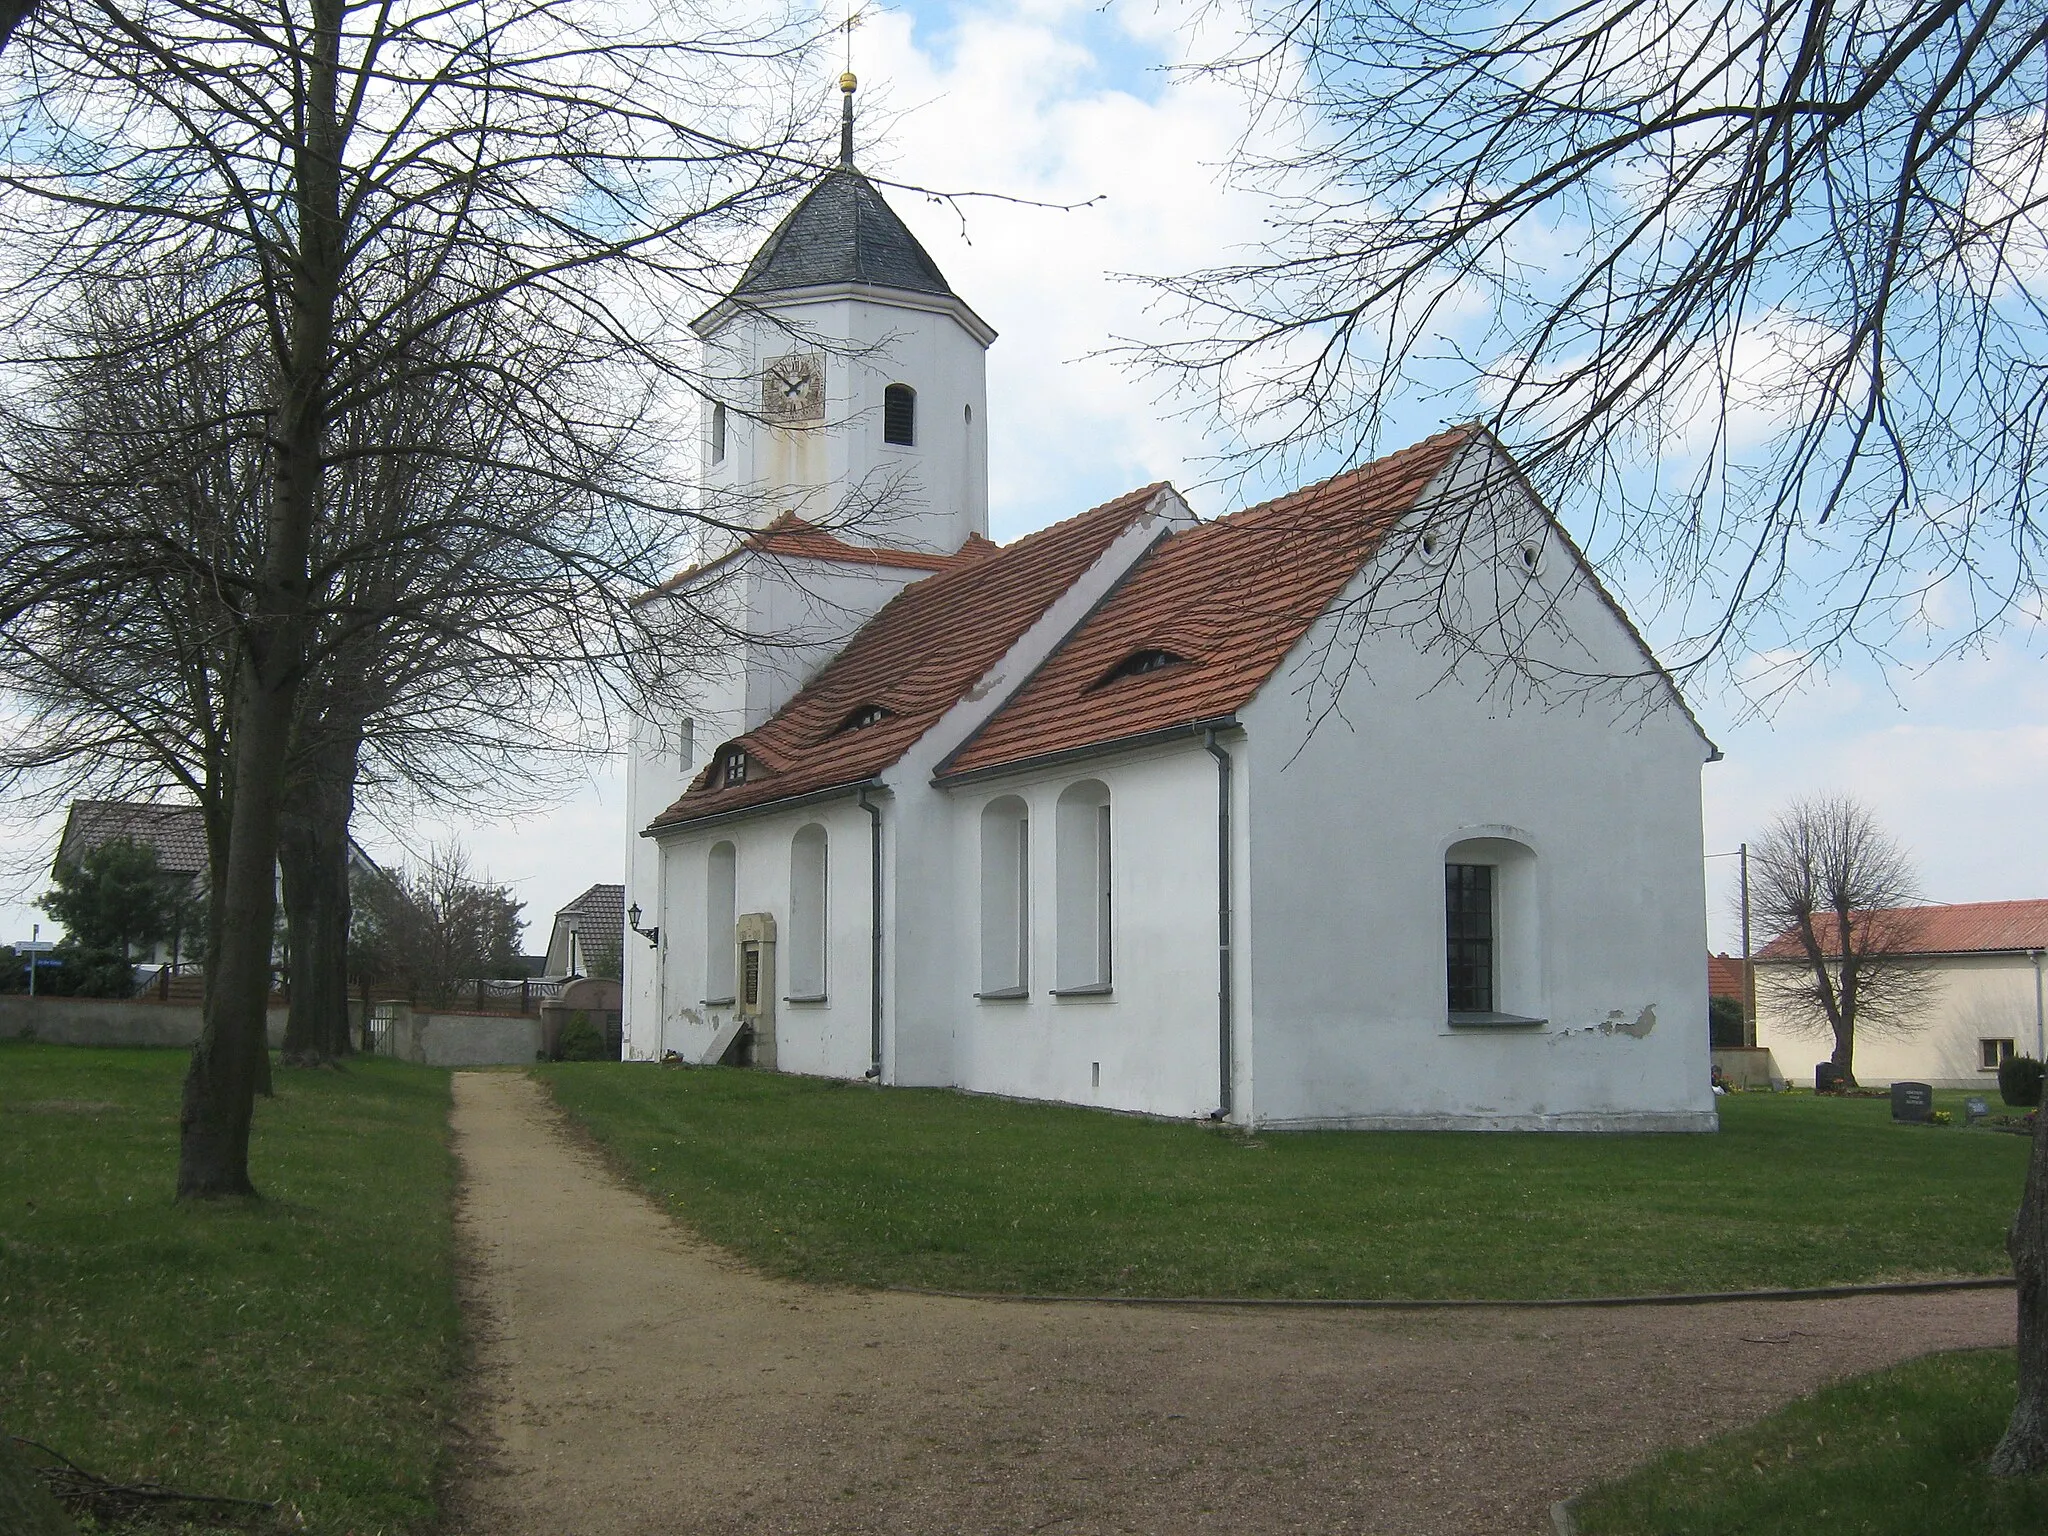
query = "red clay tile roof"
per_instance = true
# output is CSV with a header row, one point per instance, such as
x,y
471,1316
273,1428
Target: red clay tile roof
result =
x,y
1724,977
1971,927
789,537
1228,598
916,658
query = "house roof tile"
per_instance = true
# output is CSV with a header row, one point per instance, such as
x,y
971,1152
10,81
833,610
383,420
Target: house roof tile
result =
x,y
1724,977
916,658
1227,598
176,832
1971,927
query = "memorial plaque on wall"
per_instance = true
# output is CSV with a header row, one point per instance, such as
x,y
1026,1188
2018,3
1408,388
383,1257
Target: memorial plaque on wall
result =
x,y
1912,1101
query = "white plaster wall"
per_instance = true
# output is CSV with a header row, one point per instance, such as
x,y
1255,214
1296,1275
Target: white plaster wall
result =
x,y
829,1038
1346,833
1975,997
1154,1037
800,613
841,474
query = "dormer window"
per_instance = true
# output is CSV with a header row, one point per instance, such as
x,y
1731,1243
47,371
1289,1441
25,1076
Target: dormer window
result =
x,y
860,718
1138,663
899,415
732,767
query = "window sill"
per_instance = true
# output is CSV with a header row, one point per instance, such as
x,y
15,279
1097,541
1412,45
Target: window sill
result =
x,y
1093,989
716,1002
1004,995
1495,1021
808,997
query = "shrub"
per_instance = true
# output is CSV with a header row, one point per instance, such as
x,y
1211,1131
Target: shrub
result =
x,y
580,1040
2019,1080
1724,1021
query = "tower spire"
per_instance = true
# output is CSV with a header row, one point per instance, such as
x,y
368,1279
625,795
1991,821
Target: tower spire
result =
x,y
846,89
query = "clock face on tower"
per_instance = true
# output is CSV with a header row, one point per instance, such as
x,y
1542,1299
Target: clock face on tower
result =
x,y
793,389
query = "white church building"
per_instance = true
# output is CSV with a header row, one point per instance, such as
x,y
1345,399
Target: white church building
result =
x,y
1363,807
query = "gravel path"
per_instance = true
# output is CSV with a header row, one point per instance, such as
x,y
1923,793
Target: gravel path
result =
x,y
632,1379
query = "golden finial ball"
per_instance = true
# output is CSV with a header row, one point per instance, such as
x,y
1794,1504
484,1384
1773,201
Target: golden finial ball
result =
x,y
847,82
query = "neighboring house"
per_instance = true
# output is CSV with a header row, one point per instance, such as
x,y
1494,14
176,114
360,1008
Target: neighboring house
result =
x,y
176,832
1725,978
1986,959
1132,812
589,934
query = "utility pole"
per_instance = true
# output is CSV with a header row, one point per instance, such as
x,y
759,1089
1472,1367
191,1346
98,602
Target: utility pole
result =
x,y
1748,961
35,935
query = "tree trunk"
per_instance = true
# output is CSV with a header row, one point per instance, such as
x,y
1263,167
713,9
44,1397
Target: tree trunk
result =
x,y
232,1057
2024,1450
313,857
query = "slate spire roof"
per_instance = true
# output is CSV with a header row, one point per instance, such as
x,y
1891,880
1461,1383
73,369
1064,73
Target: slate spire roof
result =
x,y
842,232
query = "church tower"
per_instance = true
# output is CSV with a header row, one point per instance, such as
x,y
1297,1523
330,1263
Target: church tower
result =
x,y
853,379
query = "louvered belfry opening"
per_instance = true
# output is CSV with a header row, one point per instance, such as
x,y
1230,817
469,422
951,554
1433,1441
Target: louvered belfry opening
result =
x,y
899,415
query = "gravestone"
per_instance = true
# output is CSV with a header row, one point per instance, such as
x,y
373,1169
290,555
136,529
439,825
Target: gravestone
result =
x,y
1913,1103
1827,1077
1975,1109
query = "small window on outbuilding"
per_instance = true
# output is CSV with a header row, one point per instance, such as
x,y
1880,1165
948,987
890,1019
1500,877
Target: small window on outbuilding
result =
x,y
860,717
1993,1054
899,415
1138,663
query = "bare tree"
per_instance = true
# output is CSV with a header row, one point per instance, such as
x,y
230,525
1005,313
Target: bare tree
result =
x,y
1842,895
436,927
357,177
1758,287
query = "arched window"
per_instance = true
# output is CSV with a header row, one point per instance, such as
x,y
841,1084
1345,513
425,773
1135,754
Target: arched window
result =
x,y
718,432
1005,898
1493,960
899,415
721,924
807,871
1082,847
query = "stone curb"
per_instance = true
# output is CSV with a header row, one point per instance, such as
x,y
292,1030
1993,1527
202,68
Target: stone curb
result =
x,y
1683,1299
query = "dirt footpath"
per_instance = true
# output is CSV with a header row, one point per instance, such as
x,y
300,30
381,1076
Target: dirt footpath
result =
x,y
636,1380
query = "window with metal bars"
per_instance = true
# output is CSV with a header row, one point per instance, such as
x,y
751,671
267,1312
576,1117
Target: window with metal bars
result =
x,y
899,415
1468,931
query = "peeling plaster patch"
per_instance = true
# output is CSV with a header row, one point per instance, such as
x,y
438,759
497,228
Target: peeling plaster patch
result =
x,y
692,1016
1617,1022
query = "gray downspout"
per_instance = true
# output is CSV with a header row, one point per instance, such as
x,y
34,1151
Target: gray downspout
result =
x,y
1224,1065
874,934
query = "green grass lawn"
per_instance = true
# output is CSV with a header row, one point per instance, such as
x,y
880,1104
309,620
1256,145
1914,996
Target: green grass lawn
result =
x,y
301,1349
1897,1453
844,1183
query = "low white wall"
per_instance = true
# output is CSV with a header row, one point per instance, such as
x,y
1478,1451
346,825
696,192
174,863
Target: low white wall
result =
x,y
459,1039
109,1021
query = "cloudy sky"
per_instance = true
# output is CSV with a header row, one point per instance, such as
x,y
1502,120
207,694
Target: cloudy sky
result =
x,y
1067,103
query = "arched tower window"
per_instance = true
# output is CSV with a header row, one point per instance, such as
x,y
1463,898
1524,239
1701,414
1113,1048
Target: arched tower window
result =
x,y
899,415
1005,898
718,432
721,923
807,868
1081,849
